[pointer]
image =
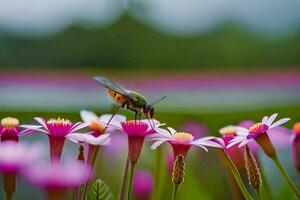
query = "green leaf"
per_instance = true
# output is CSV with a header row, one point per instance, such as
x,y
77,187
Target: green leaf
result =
x,y
99,191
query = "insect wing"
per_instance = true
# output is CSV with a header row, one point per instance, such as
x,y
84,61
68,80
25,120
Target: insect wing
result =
x,y
115,87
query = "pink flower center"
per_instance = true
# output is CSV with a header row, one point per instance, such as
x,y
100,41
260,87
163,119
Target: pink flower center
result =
x,y
135,128
183,137
257,129
59,126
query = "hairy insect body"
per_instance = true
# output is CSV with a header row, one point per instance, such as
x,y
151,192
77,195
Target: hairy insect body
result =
x,y
126,102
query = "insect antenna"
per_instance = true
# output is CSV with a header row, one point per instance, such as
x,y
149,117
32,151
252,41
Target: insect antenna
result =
x,y
158,100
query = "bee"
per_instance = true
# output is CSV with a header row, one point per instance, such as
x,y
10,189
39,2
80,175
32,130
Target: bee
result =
x,y
128,99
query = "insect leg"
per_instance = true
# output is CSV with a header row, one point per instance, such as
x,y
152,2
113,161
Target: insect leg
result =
x,y
112,116
140,113
135,116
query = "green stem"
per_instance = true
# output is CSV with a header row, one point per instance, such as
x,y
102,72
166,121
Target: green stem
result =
x,y
258,192
93,163
286,176
265,184
158,173
174,191
237,177
124,181
129,191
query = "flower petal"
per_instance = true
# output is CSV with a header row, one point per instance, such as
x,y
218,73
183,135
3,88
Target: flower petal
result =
x,y
88,116
164,133
90,139
241,131
201,146
172,130
271,119
279,122
115,122
42,122
157,143
78,126
265,119
31,128
243,143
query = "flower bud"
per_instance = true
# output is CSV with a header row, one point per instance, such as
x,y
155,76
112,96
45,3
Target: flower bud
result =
x,y
252,169
178,170
80,155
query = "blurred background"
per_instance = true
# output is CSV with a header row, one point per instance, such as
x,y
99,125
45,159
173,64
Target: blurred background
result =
x,y
219,62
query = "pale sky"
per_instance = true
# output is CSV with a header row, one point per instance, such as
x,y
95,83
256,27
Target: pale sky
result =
x,y
36,17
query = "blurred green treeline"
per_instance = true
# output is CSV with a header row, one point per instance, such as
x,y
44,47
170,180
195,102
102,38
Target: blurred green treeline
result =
x,y
127,43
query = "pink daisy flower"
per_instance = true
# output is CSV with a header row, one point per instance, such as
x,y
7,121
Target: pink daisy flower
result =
x,y
258,132
180,141
136,132
57,130
56,179
142,185
10,130
235,153
15,158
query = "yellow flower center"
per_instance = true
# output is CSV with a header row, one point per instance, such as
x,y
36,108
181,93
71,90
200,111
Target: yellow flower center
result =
x,y
97,127
183,137
228,130
255,127
9,122
59,121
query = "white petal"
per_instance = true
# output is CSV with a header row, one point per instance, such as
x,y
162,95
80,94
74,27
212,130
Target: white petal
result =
x,y
88,116
243,143
242,131
172,130
157,143
210,144
203,147
164,133
78,126
264,120
31,128
115,122
155,136
271,119
87,138
220,141
279,122
42,122
204,139
152,121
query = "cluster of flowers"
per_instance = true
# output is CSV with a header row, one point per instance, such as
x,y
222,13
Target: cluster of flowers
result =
x,y
56,179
